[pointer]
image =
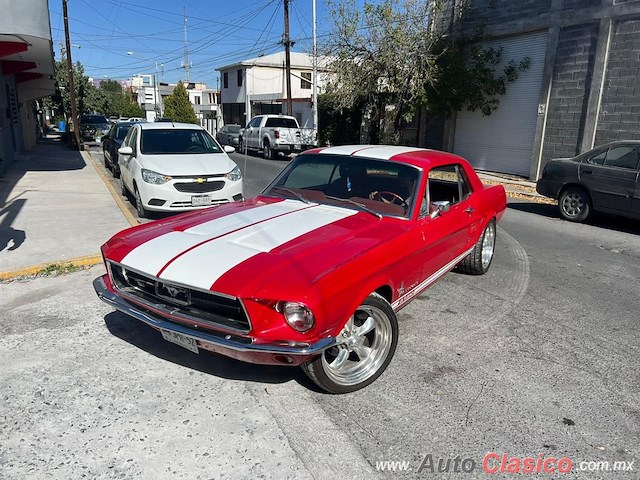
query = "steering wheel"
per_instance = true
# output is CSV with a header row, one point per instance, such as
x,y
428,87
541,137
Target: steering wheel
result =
x,y
388,197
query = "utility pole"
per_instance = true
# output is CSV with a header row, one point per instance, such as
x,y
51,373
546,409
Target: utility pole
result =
x,y
315,72
72,88
287,54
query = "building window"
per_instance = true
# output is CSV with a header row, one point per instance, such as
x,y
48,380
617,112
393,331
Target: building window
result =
x,y
196,100
239,78
305,81
225,80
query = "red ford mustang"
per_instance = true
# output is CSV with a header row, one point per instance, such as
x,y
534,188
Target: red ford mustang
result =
x,y
313,271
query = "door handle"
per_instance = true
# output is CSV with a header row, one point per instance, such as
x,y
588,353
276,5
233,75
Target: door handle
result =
x,y
588,172
469,210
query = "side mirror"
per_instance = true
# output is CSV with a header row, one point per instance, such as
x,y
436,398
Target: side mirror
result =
x,y
125,151
229,149
438,208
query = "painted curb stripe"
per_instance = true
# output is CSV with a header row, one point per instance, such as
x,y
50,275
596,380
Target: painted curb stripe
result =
x,y
202,266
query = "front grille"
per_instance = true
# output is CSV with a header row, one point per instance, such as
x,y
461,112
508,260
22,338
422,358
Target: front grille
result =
x,y
199,187
208,308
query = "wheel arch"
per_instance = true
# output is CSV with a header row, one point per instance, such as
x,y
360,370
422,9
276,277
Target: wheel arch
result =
x,y
579,185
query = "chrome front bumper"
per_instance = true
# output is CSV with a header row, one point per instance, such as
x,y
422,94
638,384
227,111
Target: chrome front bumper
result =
x,y
260,353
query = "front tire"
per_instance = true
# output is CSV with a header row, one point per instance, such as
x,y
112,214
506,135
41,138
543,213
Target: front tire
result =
x,y
142,212
574,204
480,258
365,348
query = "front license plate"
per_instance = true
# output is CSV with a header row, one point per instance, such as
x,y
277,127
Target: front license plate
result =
x,y
200,200
179,339
98,139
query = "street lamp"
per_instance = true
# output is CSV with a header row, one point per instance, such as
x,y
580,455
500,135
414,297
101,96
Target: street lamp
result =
x,y
156,89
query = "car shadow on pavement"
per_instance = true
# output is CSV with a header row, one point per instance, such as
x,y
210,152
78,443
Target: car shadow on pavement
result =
x,y
609,222
151,341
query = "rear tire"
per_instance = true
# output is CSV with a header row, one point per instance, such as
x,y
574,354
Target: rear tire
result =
x,y
480,258
364,350
266,151
574,204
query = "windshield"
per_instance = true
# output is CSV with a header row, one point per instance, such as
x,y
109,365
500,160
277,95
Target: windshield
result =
x,y
172,141
93,119
234,129
384,187
282,122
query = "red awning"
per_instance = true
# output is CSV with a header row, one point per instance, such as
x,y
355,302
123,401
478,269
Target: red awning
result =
x,y
14,66
11,48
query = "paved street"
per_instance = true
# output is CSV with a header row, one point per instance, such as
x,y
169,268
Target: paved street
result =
x,y
539,356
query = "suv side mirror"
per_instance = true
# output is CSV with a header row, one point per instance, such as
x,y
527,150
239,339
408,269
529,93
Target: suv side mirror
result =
x,y
438,208
229,149
125,150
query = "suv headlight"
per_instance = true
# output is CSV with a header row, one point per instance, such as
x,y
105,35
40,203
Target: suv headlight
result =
x,y
298,316
154,178
235,174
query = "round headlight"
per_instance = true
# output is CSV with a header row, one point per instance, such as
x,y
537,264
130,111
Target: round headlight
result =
x,y
298,316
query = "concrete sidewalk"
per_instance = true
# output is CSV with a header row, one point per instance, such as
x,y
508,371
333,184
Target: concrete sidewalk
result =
x,y
53,207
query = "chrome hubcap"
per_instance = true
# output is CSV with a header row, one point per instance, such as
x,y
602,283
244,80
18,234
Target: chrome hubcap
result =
x,y
364,345
573,204
488,245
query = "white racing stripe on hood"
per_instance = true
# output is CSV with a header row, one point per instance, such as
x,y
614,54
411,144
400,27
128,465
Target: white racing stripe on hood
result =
x,y
151,256
202,266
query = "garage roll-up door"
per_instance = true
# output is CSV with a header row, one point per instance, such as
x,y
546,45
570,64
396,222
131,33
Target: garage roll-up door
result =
x,y
503,141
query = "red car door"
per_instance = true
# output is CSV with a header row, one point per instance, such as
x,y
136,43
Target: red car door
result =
x,y
447,234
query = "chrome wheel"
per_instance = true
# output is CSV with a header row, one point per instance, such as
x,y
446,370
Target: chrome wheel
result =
x,y
488,245
573,204
365,343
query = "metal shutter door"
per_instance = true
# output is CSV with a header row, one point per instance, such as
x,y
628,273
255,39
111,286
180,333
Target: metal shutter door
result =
x,y
503,141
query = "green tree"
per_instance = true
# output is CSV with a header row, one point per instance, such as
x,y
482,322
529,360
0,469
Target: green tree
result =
x,y
119,102
177,106
392,58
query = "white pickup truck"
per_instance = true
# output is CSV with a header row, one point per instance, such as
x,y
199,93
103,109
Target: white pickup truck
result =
x,y
272,134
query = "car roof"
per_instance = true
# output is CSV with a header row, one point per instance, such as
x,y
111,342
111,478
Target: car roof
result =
x,y
124,124
417,157
169,126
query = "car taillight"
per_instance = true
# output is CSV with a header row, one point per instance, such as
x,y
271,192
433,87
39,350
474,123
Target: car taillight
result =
x,y
276,133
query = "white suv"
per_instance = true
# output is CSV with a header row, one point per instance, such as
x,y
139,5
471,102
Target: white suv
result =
x,y
172,167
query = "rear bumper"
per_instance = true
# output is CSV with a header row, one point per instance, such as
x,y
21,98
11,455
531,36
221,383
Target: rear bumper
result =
x,y
548,188
240,348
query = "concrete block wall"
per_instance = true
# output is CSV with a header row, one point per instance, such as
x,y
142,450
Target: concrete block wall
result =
x,y
570,88
619,117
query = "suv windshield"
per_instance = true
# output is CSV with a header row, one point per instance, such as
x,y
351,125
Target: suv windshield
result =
x,y
93,119
172,141
281,122
380,186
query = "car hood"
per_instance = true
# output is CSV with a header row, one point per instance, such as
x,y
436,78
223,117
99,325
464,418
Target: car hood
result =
x,y
184,164
258,248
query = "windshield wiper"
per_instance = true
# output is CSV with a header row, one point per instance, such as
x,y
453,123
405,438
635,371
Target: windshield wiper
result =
x,y
359,205
292,192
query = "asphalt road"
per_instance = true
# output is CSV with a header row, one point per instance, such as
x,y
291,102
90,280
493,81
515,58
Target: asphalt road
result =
x,y
539,356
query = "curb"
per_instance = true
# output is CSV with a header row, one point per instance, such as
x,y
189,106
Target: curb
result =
x,y
133,221
44,268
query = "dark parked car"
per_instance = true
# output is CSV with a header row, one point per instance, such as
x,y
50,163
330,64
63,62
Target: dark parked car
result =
x,y
93,127
111,142
605,179
228,135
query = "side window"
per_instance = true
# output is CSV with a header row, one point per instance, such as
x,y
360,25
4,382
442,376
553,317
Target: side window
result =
x,y
225,80
133,140
255,122
597,159
127,137
445,184
623,157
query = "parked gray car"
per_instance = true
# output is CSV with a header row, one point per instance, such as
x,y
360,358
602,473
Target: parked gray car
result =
x,y
605,179
228,135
